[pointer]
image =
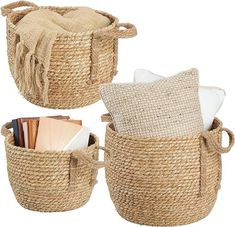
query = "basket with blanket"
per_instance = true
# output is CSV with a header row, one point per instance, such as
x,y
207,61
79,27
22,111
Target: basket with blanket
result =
x,y
59,56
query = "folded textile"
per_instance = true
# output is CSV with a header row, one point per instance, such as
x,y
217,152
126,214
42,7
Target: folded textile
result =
x,y
211,98
37,32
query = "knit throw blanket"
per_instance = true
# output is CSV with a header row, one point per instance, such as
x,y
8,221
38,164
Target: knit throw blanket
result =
x,y
38,31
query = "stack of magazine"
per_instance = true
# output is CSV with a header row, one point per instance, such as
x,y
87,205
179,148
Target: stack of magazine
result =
x,y
59,133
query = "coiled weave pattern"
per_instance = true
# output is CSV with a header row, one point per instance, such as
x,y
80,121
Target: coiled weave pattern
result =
x,y
79,62
164,181
51,181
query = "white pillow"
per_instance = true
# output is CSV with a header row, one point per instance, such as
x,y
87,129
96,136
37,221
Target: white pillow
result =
x,y
211,98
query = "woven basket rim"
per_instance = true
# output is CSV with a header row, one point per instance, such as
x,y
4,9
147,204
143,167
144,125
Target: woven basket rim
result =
x,y
89,149
110,129
114,21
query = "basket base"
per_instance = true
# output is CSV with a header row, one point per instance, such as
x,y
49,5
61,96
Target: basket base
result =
x,y
165,221
65,203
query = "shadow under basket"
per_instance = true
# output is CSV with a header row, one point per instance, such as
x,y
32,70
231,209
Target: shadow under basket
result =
x,y
79,62
164,181
51,181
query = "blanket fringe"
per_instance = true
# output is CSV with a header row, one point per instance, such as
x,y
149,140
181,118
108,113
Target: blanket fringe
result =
x,y
30,74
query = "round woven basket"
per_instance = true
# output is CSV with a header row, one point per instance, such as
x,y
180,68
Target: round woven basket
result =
x,y
164,181
79,62
51,181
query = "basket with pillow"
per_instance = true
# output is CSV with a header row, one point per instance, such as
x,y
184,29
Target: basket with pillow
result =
x,y
59,56
162,167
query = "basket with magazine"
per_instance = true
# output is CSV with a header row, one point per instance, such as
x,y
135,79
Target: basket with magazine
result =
x,y
56,171
59,56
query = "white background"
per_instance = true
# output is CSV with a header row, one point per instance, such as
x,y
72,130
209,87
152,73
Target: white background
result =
x,y
172,36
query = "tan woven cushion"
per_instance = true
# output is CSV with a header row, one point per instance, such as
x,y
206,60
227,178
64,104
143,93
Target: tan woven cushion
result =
x,y
169,107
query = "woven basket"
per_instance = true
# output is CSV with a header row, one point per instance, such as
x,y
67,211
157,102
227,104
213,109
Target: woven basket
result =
x,y
164,181
90,59
51,181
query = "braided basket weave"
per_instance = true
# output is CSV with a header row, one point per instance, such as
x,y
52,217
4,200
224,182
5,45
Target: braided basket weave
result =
x,y
79,62
51,181
164,181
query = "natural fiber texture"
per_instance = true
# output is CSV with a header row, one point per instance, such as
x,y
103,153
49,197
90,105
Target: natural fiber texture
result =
x,y
51,180
79,62
168,107
167,181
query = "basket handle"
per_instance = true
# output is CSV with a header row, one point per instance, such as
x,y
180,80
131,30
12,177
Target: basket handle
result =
x,y
122,31
5,129
215,145
106,118
129,31
92,163
74,167
7,9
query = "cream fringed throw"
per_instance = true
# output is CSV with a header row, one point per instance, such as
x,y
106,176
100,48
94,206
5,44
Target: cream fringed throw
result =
x,y
38,31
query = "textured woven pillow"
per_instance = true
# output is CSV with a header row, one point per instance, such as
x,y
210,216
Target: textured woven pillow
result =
x,y
211,98
168,107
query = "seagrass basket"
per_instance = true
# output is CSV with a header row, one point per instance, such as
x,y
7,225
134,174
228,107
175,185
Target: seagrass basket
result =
x,y
51,181
164,181
79,62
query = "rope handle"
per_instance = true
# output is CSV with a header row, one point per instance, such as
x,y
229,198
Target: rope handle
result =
x,y
122,31
215,145
76,159
5,130
7,9
106,118
129,30
91,162
116,33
